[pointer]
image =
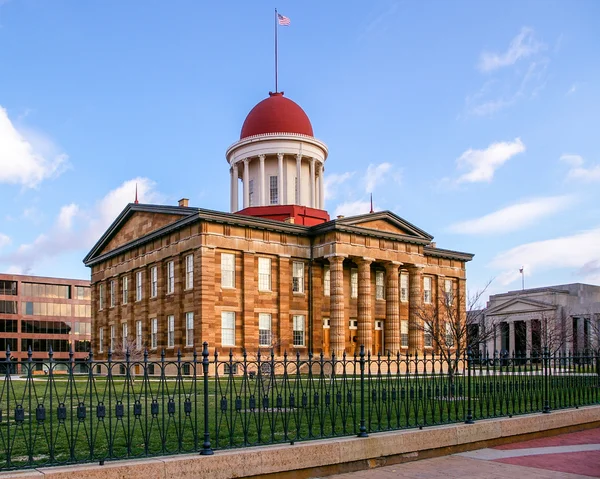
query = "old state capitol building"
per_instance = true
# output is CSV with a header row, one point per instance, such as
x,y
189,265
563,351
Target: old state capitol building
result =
x,y
276,273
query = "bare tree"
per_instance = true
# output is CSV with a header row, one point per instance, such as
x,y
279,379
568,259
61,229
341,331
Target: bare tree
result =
x,y
129,345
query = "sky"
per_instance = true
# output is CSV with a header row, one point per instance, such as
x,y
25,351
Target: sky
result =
x,y
476,121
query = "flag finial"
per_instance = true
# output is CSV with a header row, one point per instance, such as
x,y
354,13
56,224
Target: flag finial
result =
x,y
136,197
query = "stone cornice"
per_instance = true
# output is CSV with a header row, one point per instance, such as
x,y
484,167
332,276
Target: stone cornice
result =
x,y
446,253
276,136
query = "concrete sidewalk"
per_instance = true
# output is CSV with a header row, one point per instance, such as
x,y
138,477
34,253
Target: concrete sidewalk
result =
x,y
565,456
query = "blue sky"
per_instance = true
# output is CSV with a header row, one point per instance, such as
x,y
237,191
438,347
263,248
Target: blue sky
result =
x,y
476,121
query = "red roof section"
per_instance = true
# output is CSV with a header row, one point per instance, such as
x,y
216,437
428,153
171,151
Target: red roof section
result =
x,y
276,114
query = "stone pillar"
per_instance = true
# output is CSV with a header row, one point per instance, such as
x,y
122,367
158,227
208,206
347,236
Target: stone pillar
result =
x,y
337,317
249,320
261,196
392,308
280,198
580,335
246,182
206,301
528,338
569,336
321,188
284,322
511,337
415,303
298,182
365,316
235,188
313,184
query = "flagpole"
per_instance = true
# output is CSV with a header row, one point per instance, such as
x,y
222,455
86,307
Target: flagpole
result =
x,y
275,50
523,277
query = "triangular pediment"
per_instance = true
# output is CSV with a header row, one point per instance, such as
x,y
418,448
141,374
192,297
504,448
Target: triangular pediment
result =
x,y
385,222
519,305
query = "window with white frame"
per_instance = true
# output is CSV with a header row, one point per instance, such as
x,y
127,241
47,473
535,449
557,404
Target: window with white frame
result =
x,y
354,283
139,293
170,277
326,323
298,329
101,340
264,329
404,334
404,287
154,281
449,335
448,290
273,191
298,277
227,328
428,335
113,337
138,335
227,270
264,274
427,289
112,293
353,324
154,333
189,329
125,289
170,331
101,297
326,281
189,271
125,336
251,192
379,284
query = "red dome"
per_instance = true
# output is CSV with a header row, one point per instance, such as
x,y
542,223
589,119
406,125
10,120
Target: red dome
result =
x,y
276,114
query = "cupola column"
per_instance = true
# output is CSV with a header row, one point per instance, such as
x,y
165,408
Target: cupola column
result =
x,y
262,198
312,183
321,187
246,182
298,179
231,191
280,200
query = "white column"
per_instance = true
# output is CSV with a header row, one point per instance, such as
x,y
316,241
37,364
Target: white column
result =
x,y
312,183
262,198
321,188
298,199
580,335
529,338
246,182
511,337
235,203
280,199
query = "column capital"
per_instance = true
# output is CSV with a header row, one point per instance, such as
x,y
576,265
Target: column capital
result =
x,y
364,260
299,156
415,267
262,157
335,258
392,266
280,156
246,161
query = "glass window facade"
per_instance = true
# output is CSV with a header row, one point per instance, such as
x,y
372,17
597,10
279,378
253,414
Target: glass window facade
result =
x,y
42,290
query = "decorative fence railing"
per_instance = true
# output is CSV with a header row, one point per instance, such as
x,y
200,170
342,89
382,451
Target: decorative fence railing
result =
x,y
52,413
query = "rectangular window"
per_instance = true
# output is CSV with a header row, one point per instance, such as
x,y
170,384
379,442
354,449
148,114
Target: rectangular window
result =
x,y
154,333
154,281
326,323
353,324
428,335
449,335
125,336
326,281
404,334
264,274
112,293
189,271
251,192
227,270
125,289
101,340
10,307
264,329
8,288
189,329
448,290
100,297
170,277
298,331
427,290
379,285
298,277
138,335
112,337
273,193
170,331
138,286
227,328
404,288
354,283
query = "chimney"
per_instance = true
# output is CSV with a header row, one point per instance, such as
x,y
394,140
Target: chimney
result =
x,y
433,244
339,217
290,220
183,202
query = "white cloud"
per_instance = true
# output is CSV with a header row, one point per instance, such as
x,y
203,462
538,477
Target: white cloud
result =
x,y
4,240
574,251
482,164
375,174
573,89
66,215
334,180
578,172
514,217
522,46
27,157
353,208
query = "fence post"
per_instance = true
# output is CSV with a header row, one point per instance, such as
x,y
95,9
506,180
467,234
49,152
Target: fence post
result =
x,y
363,430
546,409
469,419
206,449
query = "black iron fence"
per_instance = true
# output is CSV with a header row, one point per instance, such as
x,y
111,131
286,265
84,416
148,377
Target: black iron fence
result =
x,y
56,412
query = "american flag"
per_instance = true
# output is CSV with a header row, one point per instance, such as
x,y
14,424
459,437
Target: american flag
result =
x,y
283,21
521,270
